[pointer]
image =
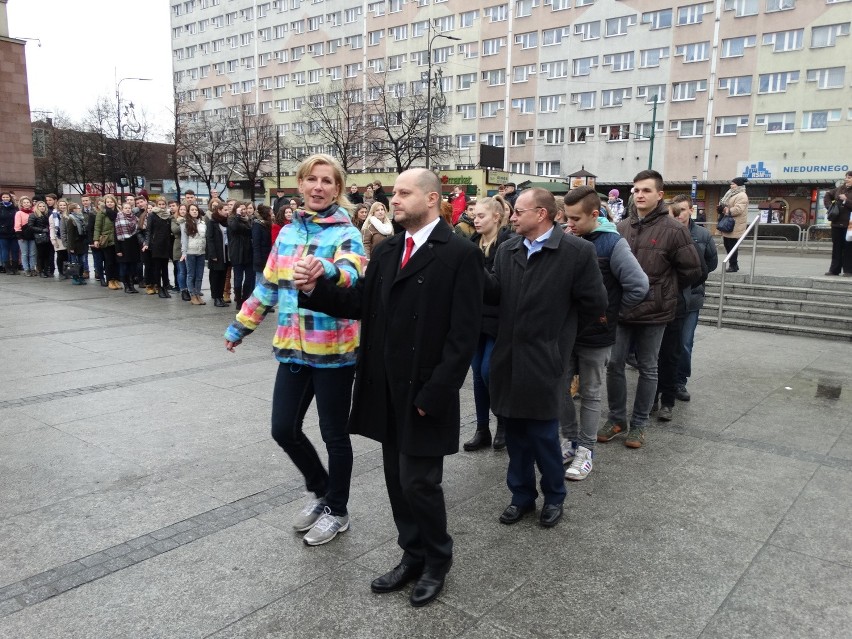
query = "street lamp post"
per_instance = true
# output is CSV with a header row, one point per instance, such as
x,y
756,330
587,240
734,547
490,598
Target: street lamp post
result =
x,y
429,90
118,109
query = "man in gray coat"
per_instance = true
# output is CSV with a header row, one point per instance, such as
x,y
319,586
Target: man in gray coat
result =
x,y
547,284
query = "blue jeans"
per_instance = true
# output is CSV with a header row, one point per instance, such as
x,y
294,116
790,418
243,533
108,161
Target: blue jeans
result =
x,y
646,340
9,251
684,367
81,259
295,387
28,254
98,263
194,273
589,362
480,366
531,442
180,274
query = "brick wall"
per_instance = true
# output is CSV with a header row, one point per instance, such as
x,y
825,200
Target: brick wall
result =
x,y
17,171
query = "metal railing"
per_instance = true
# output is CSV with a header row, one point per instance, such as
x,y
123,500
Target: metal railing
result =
x,y
755,224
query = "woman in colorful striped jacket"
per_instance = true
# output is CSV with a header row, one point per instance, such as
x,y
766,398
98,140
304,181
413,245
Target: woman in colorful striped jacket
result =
x,y
316,352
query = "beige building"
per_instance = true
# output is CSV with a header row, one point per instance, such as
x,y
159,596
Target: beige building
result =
x,y
17,170
755,87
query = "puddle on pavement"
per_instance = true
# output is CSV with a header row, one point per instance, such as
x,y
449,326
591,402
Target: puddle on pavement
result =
x,y
828,388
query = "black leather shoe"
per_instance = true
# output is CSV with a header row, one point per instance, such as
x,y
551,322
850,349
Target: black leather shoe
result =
x,y
185,296
396,578
733,270
550,515
163,294
681,394
480,439
500,437
429,586
218,302
513,514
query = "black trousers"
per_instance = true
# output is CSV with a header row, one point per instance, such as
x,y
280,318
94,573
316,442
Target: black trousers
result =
x,y
61,258
841,251
217,283
667,361
729,244
160,270
110,262
44,258
150,277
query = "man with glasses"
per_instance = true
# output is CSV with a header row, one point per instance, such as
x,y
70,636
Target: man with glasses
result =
x,y
547,285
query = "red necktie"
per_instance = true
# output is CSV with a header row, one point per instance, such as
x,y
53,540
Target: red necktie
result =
x,y
409,247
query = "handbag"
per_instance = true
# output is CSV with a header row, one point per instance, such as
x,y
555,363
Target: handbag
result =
x,y
41,237
725,224
833,211
73,269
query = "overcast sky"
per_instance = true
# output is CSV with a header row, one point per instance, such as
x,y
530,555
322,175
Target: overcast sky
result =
x,y
87,44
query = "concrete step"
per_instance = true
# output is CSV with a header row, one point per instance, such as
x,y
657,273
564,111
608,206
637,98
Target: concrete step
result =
x,y
828,296
801,331
792,304
773,318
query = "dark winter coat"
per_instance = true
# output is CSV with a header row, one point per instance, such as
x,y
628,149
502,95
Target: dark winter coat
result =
x,y
418,334
261,245
217,255
667,254
842,220
75,242
104,231
710,261
543,302
239,240
7,222
160,240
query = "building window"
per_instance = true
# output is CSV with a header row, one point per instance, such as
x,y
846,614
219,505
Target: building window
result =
x,y
466,141
728,125
818,120
492,46
694,52
739,85
467,111
578,134
519,138
618,26
826,36
615,97
519,167
497,13
735,47
687,90
779,5
523,72
552,136
661,19
584,100
375,37
466,80
468,18
494,77
616,132
556,69
742,8
550,103
776,82
583,66
648,92
523,8
644,129
489,109
651,57
620,61
785,40
549,37
688,128
830,78
527,40
691,14
776,122
548,169
588,30
492,139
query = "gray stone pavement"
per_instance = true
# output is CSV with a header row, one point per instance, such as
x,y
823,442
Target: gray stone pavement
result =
x,y
141,496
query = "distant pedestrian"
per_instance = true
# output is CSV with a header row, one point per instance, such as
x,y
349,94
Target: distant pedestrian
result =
x,y
261,240
616,206
193,243
376,228
735,203
841,249
10,250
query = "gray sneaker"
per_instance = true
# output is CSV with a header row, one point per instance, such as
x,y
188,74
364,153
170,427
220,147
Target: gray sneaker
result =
x,y
326,528
665,414
308,516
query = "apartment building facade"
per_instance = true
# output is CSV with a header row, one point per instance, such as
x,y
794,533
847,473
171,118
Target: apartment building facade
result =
x,y
742,87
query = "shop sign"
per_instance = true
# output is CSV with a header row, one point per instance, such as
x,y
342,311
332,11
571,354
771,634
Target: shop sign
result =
x,y
771,170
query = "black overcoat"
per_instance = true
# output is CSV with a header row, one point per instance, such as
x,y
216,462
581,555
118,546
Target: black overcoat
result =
x,y
419,330
542,302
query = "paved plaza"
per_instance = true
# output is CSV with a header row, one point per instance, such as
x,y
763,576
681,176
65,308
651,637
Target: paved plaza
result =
x,y
142,496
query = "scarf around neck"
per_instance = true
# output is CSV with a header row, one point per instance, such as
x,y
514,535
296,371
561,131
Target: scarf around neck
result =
x,y
731,193
77,218
385,228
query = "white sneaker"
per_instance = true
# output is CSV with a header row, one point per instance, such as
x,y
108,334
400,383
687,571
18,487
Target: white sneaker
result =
x,y
308,516
569,449
581,466
326,528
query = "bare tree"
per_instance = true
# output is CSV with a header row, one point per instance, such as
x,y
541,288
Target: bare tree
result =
x,y
97,121
337,121
202,147
252,139
81,162
398,119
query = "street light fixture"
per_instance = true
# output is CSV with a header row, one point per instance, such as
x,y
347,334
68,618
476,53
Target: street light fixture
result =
x,y
437,34
118,109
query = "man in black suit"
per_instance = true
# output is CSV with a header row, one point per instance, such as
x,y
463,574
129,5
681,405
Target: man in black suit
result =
x,y
420,302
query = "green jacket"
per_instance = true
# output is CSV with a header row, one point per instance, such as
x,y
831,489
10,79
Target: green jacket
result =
x,y
104,230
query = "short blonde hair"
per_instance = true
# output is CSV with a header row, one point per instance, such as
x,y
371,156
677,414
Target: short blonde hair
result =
x,y
339,176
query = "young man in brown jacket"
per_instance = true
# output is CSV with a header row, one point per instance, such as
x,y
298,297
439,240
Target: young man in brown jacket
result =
x,y
667,254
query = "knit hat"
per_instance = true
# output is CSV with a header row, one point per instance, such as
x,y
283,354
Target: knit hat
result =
x,y
614,193
739,181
